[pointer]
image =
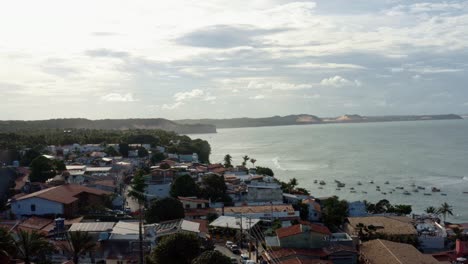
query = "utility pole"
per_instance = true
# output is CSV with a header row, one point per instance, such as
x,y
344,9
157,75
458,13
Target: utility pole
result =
x,y
250,238
142,260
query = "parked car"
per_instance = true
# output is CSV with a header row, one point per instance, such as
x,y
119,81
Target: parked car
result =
x,y
235,249
229,244
234,260
244,258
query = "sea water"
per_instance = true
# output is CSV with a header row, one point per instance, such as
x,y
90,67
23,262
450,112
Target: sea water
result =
x,y
419,153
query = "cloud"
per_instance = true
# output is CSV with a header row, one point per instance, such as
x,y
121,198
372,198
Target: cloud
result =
x,y
107,53
172,106
116,97
183,96
257,97
104,34
225,36
338,81
334,66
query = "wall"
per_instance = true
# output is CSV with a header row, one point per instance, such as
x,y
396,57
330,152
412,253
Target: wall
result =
x,y
158,190
23,207
306,239
258,194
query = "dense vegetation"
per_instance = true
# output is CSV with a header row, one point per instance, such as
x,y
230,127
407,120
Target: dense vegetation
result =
x,y
12,142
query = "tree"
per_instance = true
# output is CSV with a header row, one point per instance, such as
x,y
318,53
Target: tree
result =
x,y
212,257
30,155
157,157
431,210
292,184
253,162
79,243
31,245
401,209
180,248
213,187
42,169
265,171
245,158
227,161
164,209
164,166
123,149
334,211
303,210
142,152
7,243
184,186
445,209
111,152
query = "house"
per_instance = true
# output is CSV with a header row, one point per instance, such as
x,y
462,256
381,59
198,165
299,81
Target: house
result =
x,y
303,236
65,200
461,251
315,210
357,209
193,202
283,212
397,228
296,256
431,234
105,185
383,251
159,183
233,222
179,225
263,192
188,158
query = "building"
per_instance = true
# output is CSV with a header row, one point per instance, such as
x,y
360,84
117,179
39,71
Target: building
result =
x,y
263,192
179,225
64,200
380,251
398,228
357,209
296,256
283,212
315,210
303,236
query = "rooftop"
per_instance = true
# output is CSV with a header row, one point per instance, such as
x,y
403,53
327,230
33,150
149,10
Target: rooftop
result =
x,y
394,225
301,228
257,209
386,252
63,194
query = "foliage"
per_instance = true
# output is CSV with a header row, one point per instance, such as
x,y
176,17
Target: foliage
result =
x,y
265,171
431,210
142,152
303,210
214,188
228,161
180,248
79,243
157,157
30,155
164,166
124,148
384,206
334,211
7,247
212,257
445,209
138,186
164,209
42,169
31,246
111,152
184,186
245,158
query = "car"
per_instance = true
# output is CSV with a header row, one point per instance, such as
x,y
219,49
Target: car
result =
x,y
244,258
235,249
229,244
234,260
250,262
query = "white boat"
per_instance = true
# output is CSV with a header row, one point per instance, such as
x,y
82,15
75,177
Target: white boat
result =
x,y
434,189
359,183
406,193
387,182
371,182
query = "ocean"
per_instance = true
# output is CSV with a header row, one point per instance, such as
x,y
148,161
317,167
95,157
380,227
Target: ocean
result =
x,y
421,153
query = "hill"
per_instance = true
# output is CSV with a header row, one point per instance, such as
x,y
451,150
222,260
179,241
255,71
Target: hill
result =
x,y
107,124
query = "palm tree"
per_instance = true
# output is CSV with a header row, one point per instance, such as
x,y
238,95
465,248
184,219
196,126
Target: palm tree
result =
x,y
227,161
445,209
292,183
253,162
431,210
30,245
79,243
7,243
245,158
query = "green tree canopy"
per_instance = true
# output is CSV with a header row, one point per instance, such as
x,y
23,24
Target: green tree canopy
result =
x,y
137,187
334,211
164,209
265,171
445,209
42,169
180,248
7,244
228,161
79,243
31,246
212,257
184,186
157,157
110,151
213,187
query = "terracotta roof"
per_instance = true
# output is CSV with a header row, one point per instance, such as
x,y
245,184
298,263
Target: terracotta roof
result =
x,y
386,252
316,227
199,212
192,199
288,252
386,224
108,183
300,228
63,194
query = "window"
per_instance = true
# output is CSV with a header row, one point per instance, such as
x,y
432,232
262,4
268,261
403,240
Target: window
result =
x,y
33,207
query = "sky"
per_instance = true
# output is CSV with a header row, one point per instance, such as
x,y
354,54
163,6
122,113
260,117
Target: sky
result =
x,y
223,59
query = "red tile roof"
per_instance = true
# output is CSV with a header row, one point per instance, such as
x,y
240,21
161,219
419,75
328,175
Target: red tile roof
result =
x,y
192,199
299,228
288,252
64,193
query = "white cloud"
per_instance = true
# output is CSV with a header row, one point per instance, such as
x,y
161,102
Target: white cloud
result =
x,y
172,106
257,97
338,81
334,66
183,96
116,97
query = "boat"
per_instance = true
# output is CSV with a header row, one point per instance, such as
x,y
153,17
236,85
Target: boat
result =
x,y
353,191
341,185
390,192
352,188
364,192
315,181
371,182
322,183
320,187
415,190
443,194
384,193
399,187
434,189
406,193
387,182
413,185
465,192
427,193
337,181
421,188
338,189
359,183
